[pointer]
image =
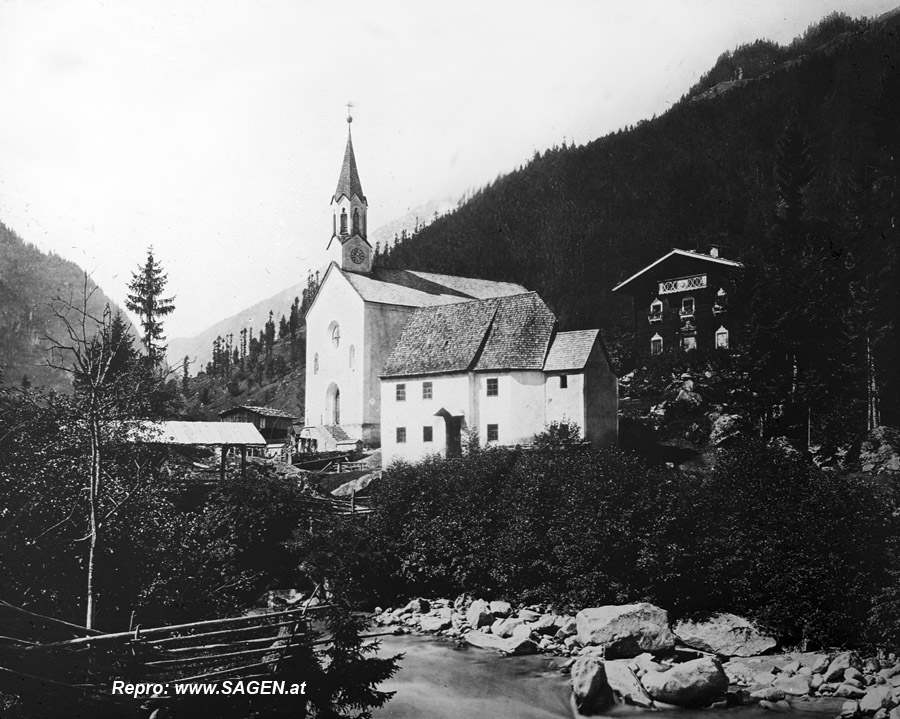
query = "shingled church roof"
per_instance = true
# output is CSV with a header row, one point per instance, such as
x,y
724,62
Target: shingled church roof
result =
x,y
511,332
409,288
348,183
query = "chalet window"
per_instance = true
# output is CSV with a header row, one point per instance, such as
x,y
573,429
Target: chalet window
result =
x,y
316,363
493,387
656,345
401,393
721,339
721,302
427,391
343,222
352,357
687,307
427,434
563,381
335,334
689,343
401,435
493,432
656,311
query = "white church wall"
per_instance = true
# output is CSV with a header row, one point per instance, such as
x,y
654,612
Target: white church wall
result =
x,y
566,403
517,409
416,411
328,365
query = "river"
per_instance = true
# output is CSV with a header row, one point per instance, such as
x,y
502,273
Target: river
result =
x,y
439,681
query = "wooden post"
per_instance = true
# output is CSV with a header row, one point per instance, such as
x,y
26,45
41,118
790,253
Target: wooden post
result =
x,y
243,460
222,463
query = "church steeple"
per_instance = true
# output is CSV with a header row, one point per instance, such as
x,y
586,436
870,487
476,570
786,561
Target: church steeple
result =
x,y
348,183
349,246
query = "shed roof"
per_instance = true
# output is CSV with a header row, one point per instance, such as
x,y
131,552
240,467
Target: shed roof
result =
x,y
209,434
500,333
262,411
570,350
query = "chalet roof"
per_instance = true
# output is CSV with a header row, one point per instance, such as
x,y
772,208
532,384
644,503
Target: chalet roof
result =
x,y
348,183
262,411
409,288
570,350
677,253
510,332
209,434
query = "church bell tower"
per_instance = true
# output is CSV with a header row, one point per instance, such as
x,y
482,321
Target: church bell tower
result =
x,y
348,246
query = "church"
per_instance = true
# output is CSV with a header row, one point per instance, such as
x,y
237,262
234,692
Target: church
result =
x,y
414,361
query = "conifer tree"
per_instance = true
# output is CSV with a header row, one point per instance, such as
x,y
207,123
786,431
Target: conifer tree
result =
x,y
147,301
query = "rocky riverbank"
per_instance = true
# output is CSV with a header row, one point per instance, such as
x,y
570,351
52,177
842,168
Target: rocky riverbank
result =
x,y
631,654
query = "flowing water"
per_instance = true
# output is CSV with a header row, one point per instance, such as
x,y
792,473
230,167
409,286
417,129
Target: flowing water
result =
x,y
439,681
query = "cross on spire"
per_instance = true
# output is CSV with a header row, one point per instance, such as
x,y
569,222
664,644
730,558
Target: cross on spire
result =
x,y
349,116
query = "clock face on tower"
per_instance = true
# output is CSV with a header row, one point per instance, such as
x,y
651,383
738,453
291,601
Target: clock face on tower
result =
x,y
357,255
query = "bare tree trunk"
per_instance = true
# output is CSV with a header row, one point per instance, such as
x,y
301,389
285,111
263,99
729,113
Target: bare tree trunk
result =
x,y
94,496
873,416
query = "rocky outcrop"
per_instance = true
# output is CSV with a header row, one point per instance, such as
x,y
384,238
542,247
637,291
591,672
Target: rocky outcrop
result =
x,y
693,683
625,630
880,451
725,634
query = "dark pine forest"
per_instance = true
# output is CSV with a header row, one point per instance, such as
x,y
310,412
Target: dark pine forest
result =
x,y
786,156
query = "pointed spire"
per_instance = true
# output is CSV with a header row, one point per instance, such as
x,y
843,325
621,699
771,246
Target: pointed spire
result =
x,y
348,183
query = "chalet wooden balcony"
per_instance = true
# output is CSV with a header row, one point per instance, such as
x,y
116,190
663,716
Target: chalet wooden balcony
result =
x,y
682,284
655,317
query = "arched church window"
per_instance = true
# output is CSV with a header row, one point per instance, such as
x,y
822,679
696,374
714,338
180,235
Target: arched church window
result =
x,y
335,329
343,222
316,363
352,357
356,221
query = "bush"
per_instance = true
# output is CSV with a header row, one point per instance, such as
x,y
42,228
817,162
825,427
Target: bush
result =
x,y
766,536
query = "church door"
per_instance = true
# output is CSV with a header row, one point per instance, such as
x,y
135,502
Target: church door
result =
x,y
454,436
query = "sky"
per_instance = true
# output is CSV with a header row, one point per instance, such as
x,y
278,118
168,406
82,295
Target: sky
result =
x,y
214,130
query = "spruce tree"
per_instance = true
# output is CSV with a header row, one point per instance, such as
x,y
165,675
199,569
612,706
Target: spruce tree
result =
x,y
146,300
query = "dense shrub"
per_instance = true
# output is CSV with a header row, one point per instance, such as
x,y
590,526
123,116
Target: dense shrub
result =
x,y
766,535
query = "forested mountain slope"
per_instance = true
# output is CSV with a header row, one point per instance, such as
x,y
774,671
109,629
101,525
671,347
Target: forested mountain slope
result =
x,y
30,281
574,221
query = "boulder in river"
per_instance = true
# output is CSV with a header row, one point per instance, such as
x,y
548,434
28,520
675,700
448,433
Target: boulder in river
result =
x,y
500,609
589,685
877,697
417,606
841,663
623,681
626,630
694,683
796,685
725,634
478,614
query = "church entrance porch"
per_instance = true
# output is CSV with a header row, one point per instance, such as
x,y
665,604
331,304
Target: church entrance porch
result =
x,y
333,404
